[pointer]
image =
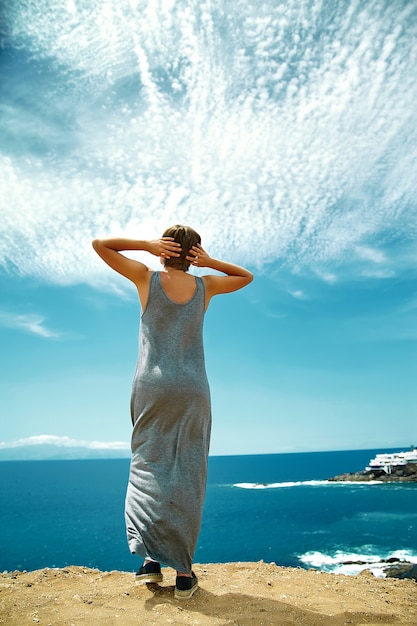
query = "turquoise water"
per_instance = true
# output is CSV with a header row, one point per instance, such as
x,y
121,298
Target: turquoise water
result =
x,y
279,508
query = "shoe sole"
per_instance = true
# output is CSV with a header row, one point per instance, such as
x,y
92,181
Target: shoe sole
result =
x,y
148,578
185,595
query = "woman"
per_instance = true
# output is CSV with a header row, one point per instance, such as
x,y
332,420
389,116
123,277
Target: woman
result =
x,y
170,404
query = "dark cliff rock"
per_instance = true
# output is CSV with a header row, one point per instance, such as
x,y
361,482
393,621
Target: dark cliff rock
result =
x,y
402,569
391,567
400,474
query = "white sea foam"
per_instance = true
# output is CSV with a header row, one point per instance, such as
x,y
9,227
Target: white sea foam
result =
x,y
352,563
303,483
280,485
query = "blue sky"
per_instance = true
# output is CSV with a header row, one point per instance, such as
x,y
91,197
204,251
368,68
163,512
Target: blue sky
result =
x,y
286,133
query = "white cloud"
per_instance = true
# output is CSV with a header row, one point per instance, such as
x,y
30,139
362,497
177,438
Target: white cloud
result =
x,y
30,323
64,442
278,132
378,273
327,277
298,294
370,254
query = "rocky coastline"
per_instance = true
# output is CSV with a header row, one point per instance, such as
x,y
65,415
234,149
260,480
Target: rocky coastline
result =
x,y
393,568
399,474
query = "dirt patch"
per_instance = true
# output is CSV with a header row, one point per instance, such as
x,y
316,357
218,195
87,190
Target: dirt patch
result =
x,y
242,594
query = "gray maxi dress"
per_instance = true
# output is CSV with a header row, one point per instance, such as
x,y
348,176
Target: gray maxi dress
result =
x,y
171,417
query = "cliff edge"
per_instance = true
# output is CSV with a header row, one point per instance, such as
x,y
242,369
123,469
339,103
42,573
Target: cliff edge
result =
x,y
239,594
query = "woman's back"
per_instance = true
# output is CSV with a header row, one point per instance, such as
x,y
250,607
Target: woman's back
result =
x,y
178,285
171,337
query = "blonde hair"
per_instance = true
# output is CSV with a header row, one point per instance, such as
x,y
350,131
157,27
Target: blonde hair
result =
x,y
187,237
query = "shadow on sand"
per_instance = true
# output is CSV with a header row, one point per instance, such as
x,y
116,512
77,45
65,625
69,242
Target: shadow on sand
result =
x,y
241,609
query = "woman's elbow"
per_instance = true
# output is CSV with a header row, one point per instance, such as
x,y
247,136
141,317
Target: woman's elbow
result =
x,y
249,278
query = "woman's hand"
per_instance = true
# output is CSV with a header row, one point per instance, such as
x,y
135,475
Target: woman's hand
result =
x,y
236,276
165,247
198,256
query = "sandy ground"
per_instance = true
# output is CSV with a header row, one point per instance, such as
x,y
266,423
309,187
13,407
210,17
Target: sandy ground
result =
x,y
242,594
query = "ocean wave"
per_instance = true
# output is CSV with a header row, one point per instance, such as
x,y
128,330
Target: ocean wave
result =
x,y
302,483
279,485
351,563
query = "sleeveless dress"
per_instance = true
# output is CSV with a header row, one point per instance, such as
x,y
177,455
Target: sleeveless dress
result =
x,y
171,415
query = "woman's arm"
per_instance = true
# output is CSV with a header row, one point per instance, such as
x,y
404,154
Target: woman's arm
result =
x,y
109,250
236,277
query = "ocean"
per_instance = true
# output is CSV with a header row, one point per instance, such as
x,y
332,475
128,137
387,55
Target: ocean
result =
x,y
275,507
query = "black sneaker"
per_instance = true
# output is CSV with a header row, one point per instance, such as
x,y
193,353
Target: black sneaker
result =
x,y
149,573
185,586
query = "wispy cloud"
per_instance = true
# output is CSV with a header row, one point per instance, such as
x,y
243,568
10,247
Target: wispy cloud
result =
x,y
298,294
327,277
30,323
281,131
378,273
64,442
371,254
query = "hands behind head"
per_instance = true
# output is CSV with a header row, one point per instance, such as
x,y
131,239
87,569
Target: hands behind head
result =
x,y
166,247
197,256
